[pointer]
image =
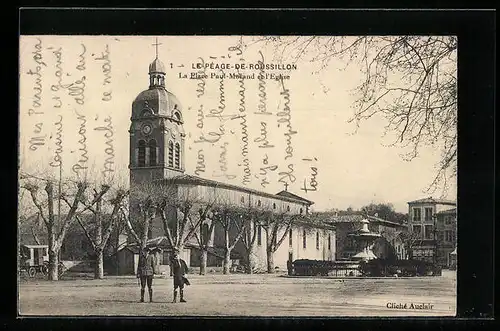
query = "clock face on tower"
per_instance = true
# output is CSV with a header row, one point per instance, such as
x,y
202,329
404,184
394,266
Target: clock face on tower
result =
x,y
146,129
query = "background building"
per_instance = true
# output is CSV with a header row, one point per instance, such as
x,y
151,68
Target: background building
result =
x,y
429,235
446,223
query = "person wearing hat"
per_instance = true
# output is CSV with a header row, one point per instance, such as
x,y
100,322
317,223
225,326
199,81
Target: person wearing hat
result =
x,y
146,270
179,269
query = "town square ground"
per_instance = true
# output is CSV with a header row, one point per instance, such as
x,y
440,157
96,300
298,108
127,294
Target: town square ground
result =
x,y
244,295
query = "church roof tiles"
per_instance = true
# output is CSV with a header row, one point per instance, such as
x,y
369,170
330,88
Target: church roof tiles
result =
x,y
190,179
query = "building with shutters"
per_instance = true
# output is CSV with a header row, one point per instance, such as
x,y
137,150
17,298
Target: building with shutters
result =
x,y
434,237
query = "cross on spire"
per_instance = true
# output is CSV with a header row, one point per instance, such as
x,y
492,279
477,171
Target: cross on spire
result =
x,y
286,186
156,45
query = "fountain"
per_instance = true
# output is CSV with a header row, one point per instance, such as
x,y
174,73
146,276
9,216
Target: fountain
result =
x,y
366,240
349,268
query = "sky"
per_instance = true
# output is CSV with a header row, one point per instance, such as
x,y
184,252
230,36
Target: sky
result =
x,y
88,84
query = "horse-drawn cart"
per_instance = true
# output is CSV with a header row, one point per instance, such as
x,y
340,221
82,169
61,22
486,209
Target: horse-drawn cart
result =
x,y
34,259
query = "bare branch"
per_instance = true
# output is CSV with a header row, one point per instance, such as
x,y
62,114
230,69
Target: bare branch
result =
x,y
410,81
87,234
129,227
238,237
33,191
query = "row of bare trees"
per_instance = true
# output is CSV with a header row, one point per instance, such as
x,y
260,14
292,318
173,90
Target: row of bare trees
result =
x,y
61,202
187,217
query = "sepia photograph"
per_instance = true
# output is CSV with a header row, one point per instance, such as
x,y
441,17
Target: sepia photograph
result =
x,y
237,175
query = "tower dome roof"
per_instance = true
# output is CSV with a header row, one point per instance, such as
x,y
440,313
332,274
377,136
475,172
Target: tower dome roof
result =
x,y
157,66
158,101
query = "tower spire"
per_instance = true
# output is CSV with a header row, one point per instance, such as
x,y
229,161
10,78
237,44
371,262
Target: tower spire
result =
x,y
156,70
156,47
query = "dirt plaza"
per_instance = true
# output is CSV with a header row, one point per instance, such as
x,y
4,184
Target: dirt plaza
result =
x,y
244,295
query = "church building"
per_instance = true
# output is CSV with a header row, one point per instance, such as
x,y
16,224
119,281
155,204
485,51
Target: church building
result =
x,y
157,153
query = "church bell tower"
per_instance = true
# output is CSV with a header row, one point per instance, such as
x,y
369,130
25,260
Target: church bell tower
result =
x,y
156,131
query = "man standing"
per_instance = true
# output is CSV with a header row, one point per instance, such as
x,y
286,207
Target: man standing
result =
x,y
146,270
179,269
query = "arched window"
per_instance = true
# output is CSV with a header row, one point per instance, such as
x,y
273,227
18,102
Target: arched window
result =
x,y
177,155
152,152
274,206
317,240
177,116
170,154
287,208
242,199
329,242
304,239
258,203
141,156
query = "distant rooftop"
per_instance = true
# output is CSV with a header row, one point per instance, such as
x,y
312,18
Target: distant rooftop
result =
x,y
356,218
433,200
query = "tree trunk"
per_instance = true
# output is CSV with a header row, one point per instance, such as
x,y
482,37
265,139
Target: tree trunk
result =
x,y
250,261
53,264
270,261
227,261
99,264
203,263
53,254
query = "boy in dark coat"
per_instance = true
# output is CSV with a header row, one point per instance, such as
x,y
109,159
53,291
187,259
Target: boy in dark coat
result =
x,y
146,270
179,269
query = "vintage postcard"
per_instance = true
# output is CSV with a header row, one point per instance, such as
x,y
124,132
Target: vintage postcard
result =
x,y
165,175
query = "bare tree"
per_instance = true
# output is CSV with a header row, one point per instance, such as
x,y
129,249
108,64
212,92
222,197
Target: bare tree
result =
x,y
410,241
28,217
249,226
32,224
204,239
277,226
101,224
409,81
228,216
182,212
56,223
144,200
